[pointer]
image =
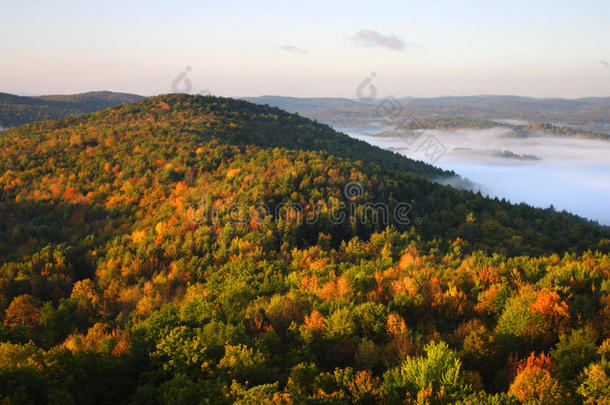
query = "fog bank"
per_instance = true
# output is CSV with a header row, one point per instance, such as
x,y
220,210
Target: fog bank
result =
x,y
541,170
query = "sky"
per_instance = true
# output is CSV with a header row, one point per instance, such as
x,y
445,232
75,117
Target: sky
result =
x,y
310,48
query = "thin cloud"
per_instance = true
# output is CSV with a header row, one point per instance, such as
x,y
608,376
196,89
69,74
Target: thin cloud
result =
x,y
291,48
372,38
604,64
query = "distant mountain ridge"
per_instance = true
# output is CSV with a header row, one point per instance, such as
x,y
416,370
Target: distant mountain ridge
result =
x,y
19,110
499,103
591,114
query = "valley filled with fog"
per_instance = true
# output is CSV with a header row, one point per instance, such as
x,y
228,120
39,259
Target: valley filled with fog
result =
x,y
569,173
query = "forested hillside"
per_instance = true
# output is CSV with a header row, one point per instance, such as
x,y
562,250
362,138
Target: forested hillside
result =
x,y
187,249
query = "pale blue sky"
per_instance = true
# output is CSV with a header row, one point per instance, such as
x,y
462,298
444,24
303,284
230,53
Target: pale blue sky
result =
x,y
535,48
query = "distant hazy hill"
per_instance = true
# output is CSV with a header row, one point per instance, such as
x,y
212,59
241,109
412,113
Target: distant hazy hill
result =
x,y
527,108
18,110
313,103
338,112
590,114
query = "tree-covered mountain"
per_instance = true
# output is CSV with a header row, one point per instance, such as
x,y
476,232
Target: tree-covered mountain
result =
x,y
188,249
19,110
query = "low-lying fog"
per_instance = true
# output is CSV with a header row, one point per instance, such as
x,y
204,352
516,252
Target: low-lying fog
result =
x,y
569,173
